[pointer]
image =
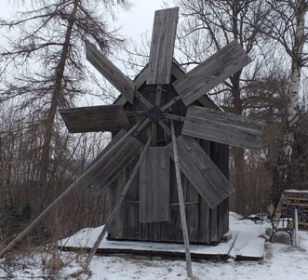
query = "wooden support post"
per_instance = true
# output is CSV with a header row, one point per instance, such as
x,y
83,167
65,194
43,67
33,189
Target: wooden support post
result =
x,y
66,192
296,226
182,205
119,203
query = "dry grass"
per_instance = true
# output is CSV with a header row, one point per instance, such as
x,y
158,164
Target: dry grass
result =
x,y
281,237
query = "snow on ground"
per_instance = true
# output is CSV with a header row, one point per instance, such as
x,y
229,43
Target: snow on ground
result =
x,y
281,261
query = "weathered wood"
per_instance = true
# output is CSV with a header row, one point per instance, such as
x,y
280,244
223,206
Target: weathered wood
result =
x,y
121,82
65,193
182,205
154,186
117,207
221,127
204,222
200,170
96,118
162,46
214,225
174,117
192,209
210,73
108,169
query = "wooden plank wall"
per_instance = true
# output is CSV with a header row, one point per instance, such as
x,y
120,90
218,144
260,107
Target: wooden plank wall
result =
x,y
204,225
154,186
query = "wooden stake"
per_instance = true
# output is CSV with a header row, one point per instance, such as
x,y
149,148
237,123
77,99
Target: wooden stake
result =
x,y
66,192
117,207
182,205
296,226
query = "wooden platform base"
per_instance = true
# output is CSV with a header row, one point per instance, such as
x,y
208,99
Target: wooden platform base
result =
x,y
237,245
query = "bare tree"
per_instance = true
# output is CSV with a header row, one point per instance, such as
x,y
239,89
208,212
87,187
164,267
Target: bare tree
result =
x,y
42,69
286,26
207,27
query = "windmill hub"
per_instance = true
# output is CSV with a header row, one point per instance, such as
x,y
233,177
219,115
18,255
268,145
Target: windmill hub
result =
x,y
155,114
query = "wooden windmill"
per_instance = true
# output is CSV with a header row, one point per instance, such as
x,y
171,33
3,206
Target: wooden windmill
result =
x,y
160,102
165,130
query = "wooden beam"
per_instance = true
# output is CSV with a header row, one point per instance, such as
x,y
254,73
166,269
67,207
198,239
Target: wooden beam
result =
x,y
36,221
121,82
108,169
95,118
162,46
221,127
174,117
200,170
118,205
154,184
181,202
211,72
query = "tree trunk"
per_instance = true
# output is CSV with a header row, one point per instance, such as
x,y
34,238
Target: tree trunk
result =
x,y
280,176
56,97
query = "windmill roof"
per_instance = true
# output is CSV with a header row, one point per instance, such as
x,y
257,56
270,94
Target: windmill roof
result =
x,y
177,71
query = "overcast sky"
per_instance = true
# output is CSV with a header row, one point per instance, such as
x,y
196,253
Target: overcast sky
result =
x,y
134,22
140,18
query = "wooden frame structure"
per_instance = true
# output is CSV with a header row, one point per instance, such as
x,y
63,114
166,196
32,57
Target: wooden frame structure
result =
x,y
175,152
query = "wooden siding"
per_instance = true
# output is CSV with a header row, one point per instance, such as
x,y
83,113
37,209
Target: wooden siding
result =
x,y
154,186
162,46
200,217
205,225
201,171
109,169
221,127
121,82
210,73
95,118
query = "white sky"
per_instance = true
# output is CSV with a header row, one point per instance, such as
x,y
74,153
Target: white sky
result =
x,y
140,17
134,22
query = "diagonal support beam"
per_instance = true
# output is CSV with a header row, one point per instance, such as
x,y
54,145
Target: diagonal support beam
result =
x,y
118,205
64,194
181,202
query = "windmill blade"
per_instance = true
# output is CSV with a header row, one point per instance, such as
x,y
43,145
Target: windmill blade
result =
x,y
121,82
221,127
154,186
200,170
210,73
162,46
93,119
108,169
